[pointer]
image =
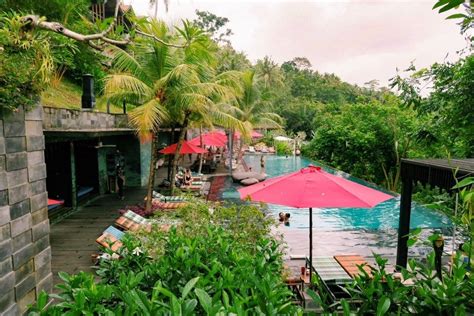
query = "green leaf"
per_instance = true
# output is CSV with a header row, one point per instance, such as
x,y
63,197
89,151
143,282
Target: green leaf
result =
x,y
457,16
440,3
464,182
188,287
42,300
452,4
383,306
204,299
411,242
345,307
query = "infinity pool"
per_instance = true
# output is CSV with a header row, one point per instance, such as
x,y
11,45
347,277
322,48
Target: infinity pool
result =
x,y
384,216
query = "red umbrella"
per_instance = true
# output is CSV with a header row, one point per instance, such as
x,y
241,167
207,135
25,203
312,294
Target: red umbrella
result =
x,y
186,148
313,187
219,135
208,139
254,134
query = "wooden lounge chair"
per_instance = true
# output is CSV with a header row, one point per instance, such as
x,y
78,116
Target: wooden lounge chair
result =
x,y
351,263
331,276
110,238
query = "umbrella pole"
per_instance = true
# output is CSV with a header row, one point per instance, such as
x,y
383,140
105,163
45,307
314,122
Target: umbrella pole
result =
x,y
310,245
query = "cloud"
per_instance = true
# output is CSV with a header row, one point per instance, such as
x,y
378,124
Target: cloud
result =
x,y
357,40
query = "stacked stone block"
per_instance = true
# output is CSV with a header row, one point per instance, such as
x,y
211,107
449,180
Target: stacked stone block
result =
x,y
67,119
25,254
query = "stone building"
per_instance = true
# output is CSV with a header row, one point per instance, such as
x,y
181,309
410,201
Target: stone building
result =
x,y
25,267
52,153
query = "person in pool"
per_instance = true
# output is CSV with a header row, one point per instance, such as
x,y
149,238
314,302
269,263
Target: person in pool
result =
x,y
284,218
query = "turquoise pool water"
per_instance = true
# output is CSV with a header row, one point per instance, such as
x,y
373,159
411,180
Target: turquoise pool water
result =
x,y
384,216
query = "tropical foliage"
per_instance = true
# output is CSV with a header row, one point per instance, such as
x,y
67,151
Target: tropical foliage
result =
x,y
219,262
383,293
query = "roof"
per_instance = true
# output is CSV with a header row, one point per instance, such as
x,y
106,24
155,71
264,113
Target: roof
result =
x,y
437,172
464,165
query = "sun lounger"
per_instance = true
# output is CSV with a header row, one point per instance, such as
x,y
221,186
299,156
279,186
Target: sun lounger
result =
x,y
331,276
132,221
110,238
169,205
167,198
351,263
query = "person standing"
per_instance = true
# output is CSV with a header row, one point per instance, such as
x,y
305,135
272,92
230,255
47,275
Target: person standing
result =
x,y
262,164
120,173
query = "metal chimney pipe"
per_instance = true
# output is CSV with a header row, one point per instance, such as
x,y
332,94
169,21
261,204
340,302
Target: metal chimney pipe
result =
x,y
88,98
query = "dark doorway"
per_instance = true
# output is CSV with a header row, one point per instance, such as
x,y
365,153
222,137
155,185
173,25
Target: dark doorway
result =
x,y
87,171
58,168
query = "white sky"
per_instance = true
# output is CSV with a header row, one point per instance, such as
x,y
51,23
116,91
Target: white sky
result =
x,y
358,40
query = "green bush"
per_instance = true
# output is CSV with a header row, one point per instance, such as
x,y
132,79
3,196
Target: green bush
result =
x,y
283,148
213,262
25,63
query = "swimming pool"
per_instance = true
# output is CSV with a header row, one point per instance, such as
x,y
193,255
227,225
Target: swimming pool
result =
x,y
384,216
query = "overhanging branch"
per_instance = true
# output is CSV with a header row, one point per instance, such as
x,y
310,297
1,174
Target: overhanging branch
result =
x,y
36,21
159,40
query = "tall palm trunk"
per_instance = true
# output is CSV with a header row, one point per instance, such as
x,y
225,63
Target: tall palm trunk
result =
x,y
182,134
201,156
240,156
151,178
170,159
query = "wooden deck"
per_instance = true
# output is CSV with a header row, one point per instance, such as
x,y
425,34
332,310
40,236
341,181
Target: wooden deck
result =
x,y
73,238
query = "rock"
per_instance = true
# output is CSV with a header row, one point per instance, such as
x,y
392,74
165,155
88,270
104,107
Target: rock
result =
x,y
249,181
257,175
238,176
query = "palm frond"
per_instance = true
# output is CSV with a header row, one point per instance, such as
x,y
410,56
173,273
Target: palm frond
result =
x,y
124,83
147,117
123,62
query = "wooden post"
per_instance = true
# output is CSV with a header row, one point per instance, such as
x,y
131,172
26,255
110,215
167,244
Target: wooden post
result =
x,y
404,223
310,245
73,176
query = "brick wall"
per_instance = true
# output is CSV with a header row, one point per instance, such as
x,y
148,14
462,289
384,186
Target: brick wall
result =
x,y
67,120
25,254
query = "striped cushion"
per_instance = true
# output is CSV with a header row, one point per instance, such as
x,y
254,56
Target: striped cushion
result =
x,y
109,241
174,198
136,218
166,198
118,234
169,205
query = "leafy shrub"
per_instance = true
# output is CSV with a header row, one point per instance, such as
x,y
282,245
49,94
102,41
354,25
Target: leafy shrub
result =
x,y
221,261
25,63
382,293
283,148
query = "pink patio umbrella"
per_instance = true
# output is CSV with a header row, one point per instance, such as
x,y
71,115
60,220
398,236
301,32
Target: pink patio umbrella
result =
x,y
313,187
254,134
186,148
209,139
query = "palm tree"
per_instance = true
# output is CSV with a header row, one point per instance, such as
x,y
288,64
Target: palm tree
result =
x,y
136,73
251,109
171,84
268,72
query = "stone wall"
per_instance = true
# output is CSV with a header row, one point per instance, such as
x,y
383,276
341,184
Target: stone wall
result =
x,y
25,254
77,120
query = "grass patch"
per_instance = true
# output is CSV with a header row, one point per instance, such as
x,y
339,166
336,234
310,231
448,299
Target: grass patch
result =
x,y
67,95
